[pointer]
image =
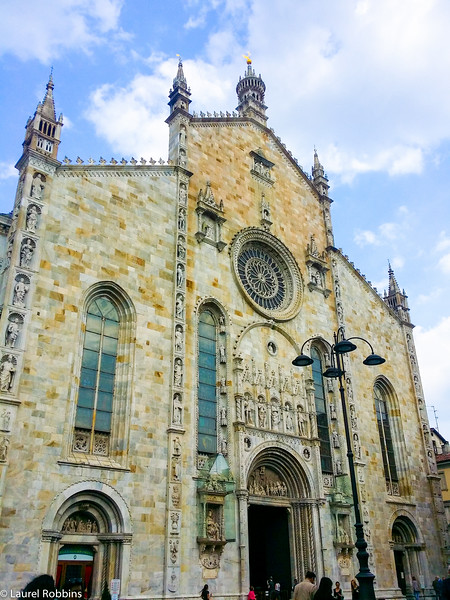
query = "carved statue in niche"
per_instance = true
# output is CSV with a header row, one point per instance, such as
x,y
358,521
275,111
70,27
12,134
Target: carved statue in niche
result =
x,y
7,372
6,419
288,420
180,275
207,228
176,469
275,416
4,444
248,417
223,385
178,338
224,446
32,218
262,415
181,248
176,447
179,307
338,466
12,331
335,437
342,533
182,219
176,496
222,324
178,372
213,529
26,252
353,419
313,250
37,187
20,290
356,445
183,194
223,417
177,409
333,415
303,421
222,354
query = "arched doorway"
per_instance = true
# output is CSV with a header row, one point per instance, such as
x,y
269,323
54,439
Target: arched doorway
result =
x,y
280,521
406,550
86,539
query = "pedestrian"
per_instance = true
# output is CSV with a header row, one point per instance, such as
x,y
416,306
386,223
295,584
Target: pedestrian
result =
x,y
446,587
251,594
306,589
324,591
270,587
204,594
41,583
355,589
416,588
277,591
437,587
338,594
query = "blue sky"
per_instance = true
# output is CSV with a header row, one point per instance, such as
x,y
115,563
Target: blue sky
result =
x,y
364,81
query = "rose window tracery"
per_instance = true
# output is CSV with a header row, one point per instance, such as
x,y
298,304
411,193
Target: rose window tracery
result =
x,y
267,273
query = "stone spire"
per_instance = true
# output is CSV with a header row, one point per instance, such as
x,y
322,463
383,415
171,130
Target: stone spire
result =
x,y
179,94
396,299
250,91
320,180
43,131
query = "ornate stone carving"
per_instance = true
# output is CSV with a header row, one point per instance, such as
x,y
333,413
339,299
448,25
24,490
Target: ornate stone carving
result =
x,y
6,420
177,409
265,482
15,322
21,288
37,186
179,341
33,213
179,306
80,523
178,372
27,248
4,445
8,366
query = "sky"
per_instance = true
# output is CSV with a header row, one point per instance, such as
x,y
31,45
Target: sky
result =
x,y
366,82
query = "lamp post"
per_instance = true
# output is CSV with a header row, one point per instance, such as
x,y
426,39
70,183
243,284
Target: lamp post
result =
x,y
341,346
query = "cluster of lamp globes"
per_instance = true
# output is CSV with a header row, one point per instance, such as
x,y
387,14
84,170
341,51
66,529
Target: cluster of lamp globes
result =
x,y
342,347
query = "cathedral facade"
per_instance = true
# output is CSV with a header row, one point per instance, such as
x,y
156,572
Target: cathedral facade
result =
x,y
153,429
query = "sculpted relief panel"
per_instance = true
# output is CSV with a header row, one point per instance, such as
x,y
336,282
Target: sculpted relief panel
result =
x,y
269,393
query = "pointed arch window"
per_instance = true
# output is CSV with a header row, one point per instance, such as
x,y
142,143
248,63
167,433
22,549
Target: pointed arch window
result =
x,y
101,424
207,383
98,368
321,412
386,437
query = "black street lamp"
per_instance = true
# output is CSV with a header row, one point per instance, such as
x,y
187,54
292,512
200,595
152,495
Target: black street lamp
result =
x,y
336,370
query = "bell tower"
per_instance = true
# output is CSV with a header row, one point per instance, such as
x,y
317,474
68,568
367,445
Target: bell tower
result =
x,y
250,91
43,131
396,299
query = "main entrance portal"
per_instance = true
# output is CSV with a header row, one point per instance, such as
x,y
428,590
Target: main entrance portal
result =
x,y
268,534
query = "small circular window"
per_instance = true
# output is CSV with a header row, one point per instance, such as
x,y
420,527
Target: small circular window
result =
x,y
267,273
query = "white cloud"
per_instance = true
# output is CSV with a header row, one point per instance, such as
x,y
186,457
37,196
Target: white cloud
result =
x,y
51,26
7,170
432,352
443,242
444,264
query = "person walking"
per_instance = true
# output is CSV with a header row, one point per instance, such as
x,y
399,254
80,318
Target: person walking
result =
x,y
306,589
437,587
251,595
204,594
416,588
